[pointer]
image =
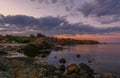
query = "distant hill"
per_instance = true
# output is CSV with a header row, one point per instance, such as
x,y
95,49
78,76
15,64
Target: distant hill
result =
x,y
62,41
42,45
40,38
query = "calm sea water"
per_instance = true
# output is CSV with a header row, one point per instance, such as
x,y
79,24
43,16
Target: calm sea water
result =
x,y
104,57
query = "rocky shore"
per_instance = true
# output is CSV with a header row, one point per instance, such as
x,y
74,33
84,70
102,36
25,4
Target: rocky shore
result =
x,y
31,67
24,67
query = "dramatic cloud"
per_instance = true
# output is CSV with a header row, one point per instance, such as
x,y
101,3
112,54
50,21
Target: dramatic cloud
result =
x,y
19,20
84,29
44,22
51,22
75,28
104,9
48,25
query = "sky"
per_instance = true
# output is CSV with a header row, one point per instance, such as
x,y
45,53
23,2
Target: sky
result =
x,y
90,19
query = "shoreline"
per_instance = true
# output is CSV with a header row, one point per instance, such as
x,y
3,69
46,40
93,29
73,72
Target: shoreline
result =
x,y
22,66
95,74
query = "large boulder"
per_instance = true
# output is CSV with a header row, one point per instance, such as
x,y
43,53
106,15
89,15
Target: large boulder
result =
x,y
22,67
110,75
33,50
62,61
19,68
26,68
106,75
72,68
81,71
86,71
5,70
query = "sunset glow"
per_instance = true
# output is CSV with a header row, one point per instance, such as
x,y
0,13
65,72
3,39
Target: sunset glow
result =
x,y
59,38
80,19
113,37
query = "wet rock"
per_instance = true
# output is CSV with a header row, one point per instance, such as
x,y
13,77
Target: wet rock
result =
x,y
62,61
81,71
18,68
106,75
110,75
89,61
27,68
5,70
98,76
86,71
61,68
78,55
52,72
30,68
55,56
72,75
42,49
72,68
23,69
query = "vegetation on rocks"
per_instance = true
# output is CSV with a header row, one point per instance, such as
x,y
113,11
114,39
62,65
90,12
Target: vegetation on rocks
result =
x,y
33,50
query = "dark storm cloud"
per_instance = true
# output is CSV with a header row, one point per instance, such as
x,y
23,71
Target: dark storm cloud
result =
x,y
43,23
19,20
101,8
75,29
80,28
49,25
107,7
51,22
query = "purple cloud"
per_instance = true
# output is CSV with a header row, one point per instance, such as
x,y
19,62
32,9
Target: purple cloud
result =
x,y
49,25
102,8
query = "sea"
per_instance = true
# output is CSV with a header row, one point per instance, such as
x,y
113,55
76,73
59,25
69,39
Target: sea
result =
x,y
101,58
